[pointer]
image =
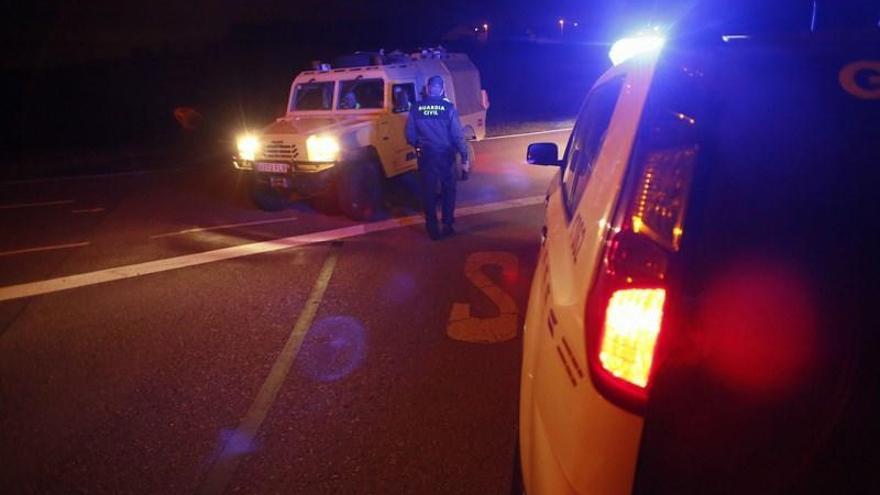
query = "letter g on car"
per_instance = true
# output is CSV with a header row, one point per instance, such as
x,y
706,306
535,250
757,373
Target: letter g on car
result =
x,y
861,79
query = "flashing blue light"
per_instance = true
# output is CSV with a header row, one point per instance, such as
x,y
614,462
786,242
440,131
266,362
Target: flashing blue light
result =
x,y
627,48
727,38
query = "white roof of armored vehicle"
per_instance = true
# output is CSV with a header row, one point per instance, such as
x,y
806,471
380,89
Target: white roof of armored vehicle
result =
x,y
458,72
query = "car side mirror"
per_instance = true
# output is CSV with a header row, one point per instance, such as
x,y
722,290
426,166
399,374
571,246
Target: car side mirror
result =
x,y
543,154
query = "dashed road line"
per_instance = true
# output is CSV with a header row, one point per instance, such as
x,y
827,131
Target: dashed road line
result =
x,y
140,269
36,204
231,455
108,175
524,134
196,167
44,248
223,227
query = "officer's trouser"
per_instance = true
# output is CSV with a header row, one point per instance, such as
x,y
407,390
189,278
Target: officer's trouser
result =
x,y
437,169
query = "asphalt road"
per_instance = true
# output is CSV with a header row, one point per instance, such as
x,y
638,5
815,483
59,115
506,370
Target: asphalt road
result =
x,y
160,335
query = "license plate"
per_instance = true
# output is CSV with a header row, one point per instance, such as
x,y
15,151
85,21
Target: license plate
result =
x,y
275,168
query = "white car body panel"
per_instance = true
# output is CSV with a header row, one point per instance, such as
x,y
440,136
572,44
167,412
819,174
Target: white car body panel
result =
x,y
573,440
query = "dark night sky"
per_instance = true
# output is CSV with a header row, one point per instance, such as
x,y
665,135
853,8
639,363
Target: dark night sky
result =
x,y
232,58
53,32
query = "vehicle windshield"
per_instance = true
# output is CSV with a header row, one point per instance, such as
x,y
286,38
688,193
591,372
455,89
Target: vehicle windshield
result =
x,y
358,94
312,96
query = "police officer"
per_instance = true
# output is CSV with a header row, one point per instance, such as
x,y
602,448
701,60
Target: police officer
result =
x,y
433,128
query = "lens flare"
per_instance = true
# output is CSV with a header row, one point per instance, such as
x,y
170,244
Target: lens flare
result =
x,y
627,48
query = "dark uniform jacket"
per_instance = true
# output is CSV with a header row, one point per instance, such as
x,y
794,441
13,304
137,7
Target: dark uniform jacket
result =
x,y
433,125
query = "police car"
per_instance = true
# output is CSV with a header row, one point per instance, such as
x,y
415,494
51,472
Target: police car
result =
x,y
698,319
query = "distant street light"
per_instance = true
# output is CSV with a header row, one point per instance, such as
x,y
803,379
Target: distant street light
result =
x,y
486,29
562,27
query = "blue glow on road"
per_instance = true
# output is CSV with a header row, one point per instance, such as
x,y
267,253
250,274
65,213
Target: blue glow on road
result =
x,y
334,348
400,288
234,442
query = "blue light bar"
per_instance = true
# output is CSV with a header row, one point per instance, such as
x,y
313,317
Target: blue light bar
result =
x,y
627,48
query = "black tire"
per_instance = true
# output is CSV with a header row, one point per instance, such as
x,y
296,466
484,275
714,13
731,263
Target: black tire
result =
x,y
326,201
266,197
359,189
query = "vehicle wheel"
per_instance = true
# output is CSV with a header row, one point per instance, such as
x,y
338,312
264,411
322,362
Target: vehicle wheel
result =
x,y
326,201
359,189
266,197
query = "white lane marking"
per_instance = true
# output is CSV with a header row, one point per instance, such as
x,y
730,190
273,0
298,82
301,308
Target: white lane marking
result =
x,y
88,210
239,442
523,134
462,325
195,167
44,248
36,204
140,269
222,227
102,176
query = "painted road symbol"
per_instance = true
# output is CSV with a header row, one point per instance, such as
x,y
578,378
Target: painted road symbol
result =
x,y
465,327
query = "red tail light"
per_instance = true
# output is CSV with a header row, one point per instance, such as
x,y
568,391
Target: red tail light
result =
x,y
625,310
629,336
624,319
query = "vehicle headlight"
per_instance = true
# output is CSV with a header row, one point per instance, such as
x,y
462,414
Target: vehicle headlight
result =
x,y
248,146
322,148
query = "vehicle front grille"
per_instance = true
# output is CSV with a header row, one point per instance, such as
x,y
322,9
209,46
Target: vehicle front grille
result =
x,y
279,150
